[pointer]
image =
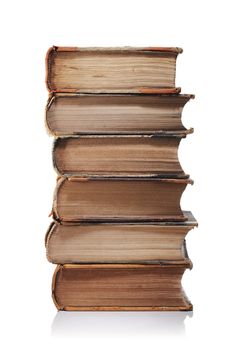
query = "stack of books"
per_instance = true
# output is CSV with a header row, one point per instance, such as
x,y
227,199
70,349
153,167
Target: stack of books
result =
x,y
118,231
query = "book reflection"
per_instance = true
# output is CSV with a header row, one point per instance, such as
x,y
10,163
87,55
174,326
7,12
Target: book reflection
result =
x,y
104,324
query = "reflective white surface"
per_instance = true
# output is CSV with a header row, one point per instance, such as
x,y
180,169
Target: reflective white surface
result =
x,y
84,324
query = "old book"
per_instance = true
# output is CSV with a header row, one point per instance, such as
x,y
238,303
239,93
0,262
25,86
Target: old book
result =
x,y
111,199
118,243
71,114
120,287
125,69
146,155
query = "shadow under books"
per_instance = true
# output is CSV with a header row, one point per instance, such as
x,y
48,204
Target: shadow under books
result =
x,y
81,324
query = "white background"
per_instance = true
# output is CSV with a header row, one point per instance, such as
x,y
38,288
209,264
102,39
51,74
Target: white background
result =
x,y
210,66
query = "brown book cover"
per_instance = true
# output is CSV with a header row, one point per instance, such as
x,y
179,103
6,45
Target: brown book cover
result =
x,y
118,199
119,155
71,114
127,287
120,70
68,243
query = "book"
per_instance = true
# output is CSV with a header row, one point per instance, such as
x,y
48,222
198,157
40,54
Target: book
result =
x,y
111,199
119,155
68,243
73,114
120,287
101,70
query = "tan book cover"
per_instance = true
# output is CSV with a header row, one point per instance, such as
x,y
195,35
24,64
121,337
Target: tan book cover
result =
x,y
68,243
76,114
114,199
116,70
119,155
120,287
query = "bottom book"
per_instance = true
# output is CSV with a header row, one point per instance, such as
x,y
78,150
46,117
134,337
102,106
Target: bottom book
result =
x,y
120,287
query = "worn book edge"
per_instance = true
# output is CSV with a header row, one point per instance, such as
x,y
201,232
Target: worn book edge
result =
x,y
190,224
159,50
53,96
188,307
186,260
62,179
178,135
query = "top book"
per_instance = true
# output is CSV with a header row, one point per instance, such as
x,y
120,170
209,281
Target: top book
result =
x,y
112,70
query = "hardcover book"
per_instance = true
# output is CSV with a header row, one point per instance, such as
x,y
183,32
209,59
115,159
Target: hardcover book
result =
x,y
120,287
112,199
75,114
68,243
146,155
115,70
